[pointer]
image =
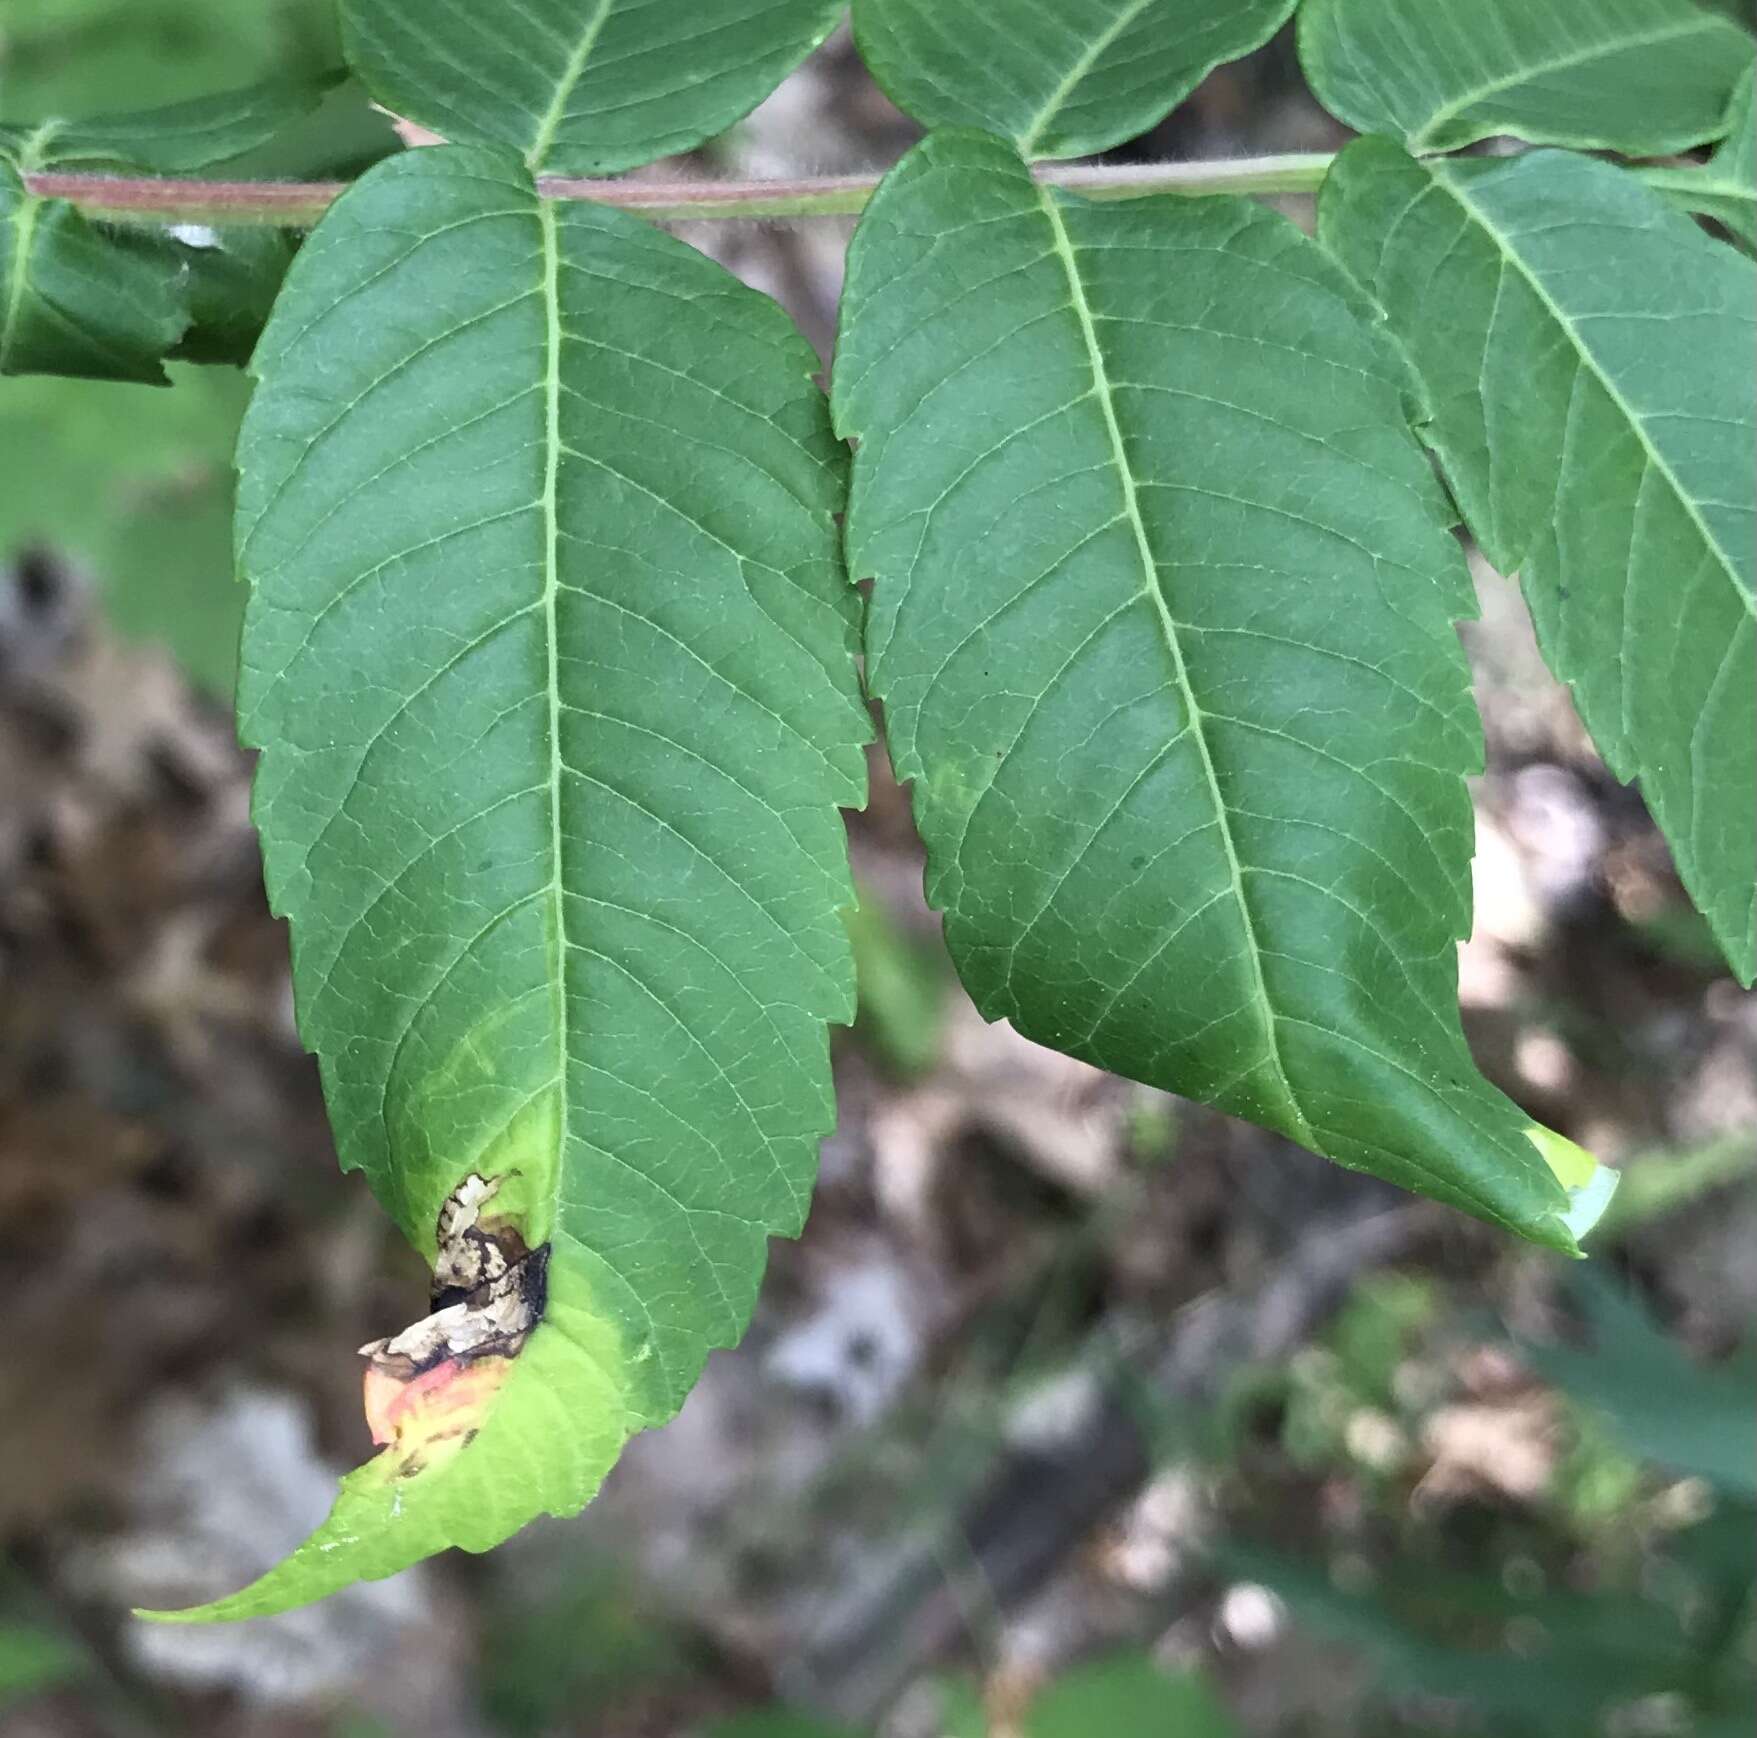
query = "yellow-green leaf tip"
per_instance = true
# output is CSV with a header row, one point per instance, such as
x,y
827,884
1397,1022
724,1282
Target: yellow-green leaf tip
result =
x,y
1590,1185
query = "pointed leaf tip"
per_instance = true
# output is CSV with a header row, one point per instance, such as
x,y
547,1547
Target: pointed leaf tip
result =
x,y
549,656
1590,1184
1162,621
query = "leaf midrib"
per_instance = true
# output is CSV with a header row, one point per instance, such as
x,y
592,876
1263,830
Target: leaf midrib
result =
x,y
1150,589
551,292
550,122
1536,69
1088,58
1589,362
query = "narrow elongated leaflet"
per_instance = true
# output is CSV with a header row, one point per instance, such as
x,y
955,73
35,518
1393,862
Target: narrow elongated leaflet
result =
x,y
1705,1429
1162,623
549,657
580,87
1588,354
1640,76
1059,81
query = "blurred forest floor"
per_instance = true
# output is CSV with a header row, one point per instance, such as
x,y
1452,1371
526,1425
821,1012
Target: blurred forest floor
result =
x,y
1068,1383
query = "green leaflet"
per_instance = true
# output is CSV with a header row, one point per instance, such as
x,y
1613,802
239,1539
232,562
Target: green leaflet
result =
x,y
173,140
1725,187
1059,81
75,299
83,299
230,278
1162,624
1587,350
1660,1404
580,87
1640,76
548,653
103,302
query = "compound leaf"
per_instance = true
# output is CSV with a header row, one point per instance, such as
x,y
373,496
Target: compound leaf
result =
x,y
1640,76
1162,623
580,87
1587,350
1059,81
549,656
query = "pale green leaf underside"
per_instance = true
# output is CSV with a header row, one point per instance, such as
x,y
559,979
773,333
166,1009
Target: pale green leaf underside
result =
x,y
1588,353
548,653
580,87
1640,76
1725,187
1062,80
1162,623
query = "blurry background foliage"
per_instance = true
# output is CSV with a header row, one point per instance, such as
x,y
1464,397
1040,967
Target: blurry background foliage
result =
x,y
1654,1475
134,483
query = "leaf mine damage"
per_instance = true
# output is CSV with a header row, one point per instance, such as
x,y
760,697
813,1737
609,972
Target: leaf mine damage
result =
x,y
428,1388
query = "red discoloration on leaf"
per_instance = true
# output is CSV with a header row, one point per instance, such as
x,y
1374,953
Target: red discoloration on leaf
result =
x,y
429,1388
440,1408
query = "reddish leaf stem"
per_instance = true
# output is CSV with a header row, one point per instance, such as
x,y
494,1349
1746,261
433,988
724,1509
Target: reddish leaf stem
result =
x,y
298,204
